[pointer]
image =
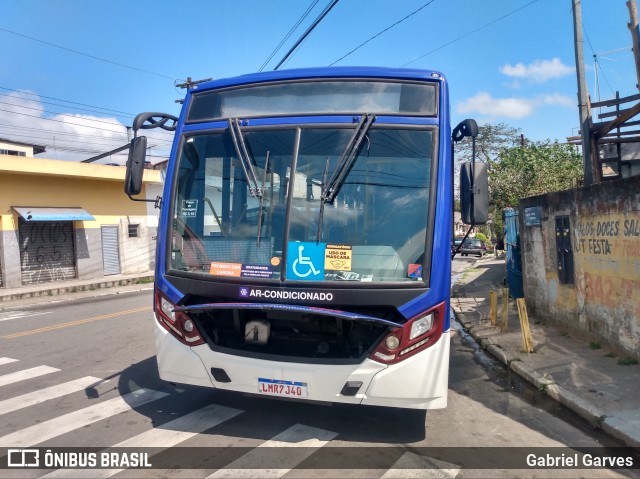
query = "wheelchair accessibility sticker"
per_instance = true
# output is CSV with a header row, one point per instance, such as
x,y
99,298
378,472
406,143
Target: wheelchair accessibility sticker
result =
x,y
305,261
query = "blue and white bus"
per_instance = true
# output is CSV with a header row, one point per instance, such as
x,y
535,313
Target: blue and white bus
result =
x,y
304,242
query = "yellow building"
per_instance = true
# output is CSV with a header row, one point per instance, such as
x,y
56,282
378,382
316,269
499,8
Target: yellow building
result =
x,y
62,220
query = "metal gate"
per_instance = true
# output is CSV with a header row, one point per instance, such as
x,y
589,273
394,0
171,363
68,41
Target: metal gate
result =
x,y
110,250
47,251
514,260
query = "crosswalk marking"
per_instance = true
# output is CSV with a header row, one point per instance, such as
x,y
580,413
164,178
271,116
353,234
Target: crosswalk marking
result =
x,y
414,466
8,315
170,434
42,395
302,440
420,473
297,443
26,374
55,427
7,361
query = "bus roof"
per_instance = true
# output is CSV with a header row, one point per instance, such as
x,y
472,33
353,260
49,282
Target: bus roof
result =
x,y
323,72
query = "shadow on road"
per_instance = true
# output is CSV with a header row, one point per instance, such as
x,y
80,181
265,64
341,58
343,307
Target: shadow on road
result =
x,y
263,417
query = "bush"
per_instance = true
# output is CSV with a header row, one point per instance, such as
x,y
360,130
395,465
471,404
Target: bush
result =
x,y
482,237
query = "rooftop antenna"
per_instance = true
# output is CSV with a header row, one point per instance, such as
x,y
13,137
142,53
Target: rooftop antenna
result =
x,y
189,83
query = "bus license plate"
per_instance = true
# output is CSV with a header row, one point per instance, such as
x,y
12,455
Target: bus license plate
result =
x,y
276,387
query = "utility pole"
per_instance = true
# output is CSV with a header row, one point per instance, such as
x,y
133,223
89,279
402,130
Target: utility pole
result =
x,y
635,45
583,98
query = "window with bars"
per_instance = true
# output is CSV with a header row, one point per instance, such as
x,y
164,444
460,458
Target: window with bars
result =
x,y
134,231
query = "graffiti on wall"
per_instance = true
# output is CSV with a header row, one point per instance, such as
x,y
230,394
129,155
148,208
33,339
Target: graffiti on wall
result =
x,y
46,251
607,247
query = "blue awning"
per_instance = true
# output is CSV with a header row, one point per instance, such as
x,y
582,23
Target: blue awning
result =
x,y
52,214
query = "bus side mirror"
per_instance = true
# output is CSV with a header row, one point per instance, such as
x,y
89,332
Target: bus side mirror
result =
x,y
135,166
466,128
474,193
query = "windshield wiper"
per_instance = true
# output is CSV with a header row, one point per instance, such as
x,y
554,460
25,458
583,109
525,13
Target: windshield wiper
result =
x,y
345,163
260,206
321,215
347,159
243,156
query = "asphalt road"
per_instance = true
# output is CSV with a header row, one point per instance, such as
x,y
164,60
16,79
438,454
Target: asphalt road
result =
x,y
81,373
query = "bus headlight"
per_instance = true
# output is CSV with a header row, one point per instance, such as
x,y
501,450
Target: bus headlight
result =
x,y
392,342
421,326
178,323
419,333
188,326
167,308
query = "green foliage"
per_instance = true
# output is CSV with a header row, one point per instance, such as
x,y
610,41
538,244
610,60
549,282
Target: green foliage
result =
x,y
519,168
626,361
482,237
535,169
491,140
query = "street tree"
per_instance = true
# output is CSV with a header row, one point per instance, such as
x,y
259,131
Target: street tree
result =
x,y
535,169
491,140
519,168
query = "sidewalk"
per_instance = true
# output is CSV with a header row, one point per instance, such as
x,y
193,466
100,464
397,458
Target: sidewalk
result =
x,y
588,381
39,293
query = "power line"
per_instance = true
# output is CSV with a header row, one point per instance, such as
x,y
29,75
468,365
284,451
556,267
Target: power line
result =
x,y
596,65
77,135
56,132
60,121
56,144
64,106
295,26
382,31
117,113
58,113
48,138
53,133
307,32
61,144
66,101
88,55
470,33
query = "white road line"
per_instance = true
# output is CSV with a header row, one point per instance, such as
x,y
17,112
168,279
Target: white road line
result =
x,y
414,466
163,437
306,439
39,433
7,361
8,315
42,395
26,374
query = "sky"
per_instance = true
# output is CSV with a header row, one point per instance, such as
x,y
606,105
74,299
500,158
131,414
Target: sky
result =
x,y
74,73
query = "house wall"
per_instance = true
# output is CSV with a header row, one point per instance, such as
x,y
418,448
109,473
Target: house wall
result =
x,y
98,189
604,299
26,150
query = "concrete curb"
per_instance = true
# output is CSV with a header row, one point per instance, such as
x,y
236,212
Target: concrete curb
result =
x,y
616,427
611,425
59,289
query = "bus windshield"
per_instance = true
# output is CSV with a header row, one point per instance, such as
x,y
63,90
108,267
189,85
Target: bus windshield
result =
x,y
263,216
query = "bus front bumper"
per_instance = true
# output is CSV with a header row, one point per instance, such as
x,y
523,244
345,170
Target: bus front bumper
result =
x,y
418,382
